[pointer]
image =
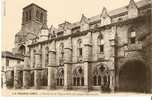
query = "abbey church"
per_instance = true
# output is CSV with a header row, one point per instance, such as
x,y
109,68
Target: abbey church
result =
x,y
109,52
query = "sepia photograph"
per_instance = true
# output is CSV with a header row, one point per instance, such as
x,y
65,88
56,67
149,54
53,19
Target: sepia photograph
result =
x,y
76,48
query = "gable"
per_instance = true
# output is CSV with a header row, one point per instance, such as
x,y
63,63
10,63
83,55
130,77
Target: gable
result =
x,y
84,19
132,9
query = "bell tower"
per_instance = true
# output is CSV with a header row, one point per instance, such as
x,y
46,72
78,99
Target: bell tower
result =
x,y
33,18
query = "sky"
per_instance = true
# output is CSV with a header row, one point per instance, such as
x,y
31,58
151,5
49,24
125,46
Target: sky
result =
x,y
58,12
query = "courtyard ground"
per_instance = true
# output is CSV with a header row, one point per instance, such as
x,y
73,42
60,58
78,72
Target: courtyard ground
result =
x,y
42,92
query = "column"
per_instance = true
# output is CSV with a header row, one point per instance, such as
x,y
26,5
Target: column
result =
x,y
112,80
51,70
68,68
87,63
38,69
17,80
87,75
26,72
4,78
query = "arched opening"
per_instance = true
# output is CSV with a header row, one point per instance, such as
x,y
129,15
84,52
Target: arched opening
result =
x,y
101,77
60,77
22,50
133,77
78,77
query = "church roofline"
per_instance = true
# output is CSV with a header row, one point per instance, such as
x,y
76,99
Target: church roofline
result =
x,y
112,13
83,33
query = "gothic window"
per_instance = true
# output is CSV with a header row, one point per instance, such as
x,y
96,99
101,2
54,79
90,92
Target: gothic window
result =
x,y
41,17
101,76
100,43
22,49
26,16
78,77
46,56
30,14
61,59
38,14
80,52
60,77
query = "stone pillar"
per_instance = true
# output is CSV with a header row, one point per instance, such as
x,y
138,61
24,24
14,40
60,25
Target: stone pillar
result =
x,y
26,72
87,75
38,70
51,78
17,80
51,70
67,68
87,59
112,80
3,73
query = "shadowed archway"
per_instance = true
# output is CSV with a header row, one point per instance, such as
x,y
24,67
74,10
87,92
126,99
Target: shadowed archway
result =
x,y
134,77
21,50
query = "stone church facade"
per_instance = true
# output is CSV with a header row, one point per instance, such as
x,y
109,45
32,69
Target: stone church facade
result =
x,y
109,52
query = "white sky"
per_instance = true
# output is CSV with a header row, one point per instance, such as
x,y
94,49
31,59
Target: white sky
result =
x,y
58,12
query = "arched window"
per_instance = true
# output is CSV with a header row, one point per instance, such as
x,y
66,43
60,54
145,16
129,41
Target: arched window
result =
x,y
60,77
46,56
22,50
37,14
41,17
132,36
26,16
101,76
78,77
30,14
61,54
80,48
100,43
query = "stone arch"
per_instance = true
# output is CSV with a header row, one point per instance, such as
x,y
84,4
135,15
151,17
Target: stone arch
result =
x,y
22,49
101,76
134,76
60,77
78,76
